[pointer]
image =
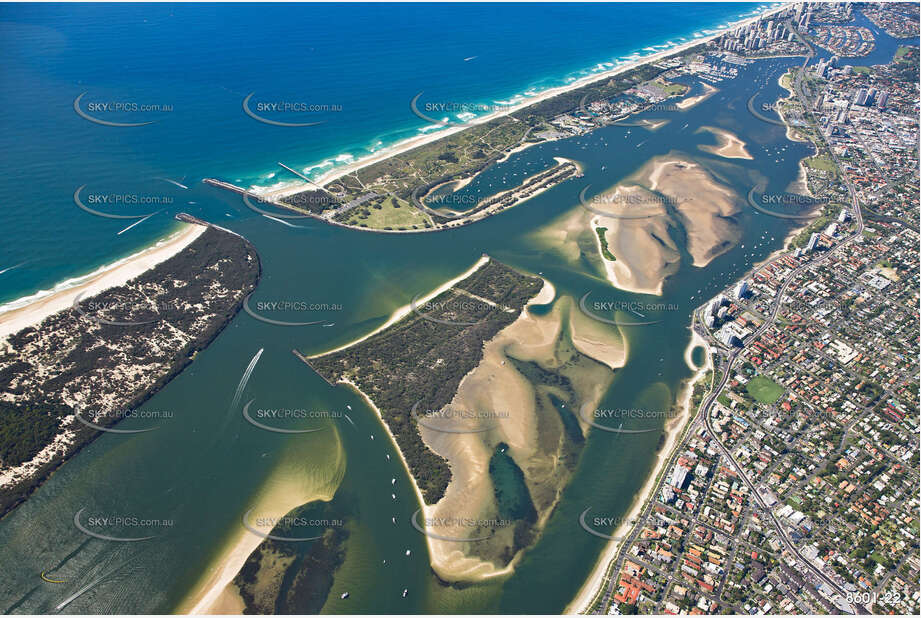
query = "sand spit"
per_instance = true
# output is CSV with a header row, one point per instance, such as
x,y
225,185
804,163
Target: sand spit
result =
x,y
728,144
706,207
403,311
215,593
520,416
689,102
31,310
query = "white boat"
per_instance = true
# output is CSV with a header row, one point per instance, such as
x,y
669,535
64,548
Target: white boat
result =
x,y
405,591
344,595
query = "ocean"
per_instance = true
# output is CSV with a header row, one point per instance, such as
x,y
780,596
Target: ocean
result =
x,y
201,61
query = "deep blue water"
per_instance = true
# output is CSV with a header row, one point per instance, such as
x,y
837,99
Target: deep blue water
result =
x,y
202,60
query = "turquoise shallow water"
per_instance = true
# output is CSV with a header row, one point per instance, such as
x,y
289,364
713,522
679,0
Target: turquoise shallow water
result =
x,y
205,464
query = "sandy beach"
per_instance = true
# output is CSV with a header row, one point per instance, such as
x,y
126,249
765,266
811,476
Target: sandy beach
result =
x,y
398,315
283,189
31,310
283,491
689,102
673,430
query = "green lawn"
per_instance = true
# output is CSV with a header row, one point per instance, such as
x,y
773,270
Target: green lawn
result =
x,y
864,70
393,214
821,162
673,89
764,390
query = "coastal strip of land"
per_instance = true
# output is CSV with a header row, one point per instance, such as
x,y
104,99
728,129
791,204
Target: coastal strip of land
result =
x,y
334,174
31,310
379,193
79,363
674,430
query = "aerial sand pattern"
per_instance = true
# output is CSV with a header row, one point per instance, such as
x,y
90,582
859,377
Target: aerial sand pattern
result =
x,y
728,144
689,102
638,237
667,194
705,207
578,355
294,484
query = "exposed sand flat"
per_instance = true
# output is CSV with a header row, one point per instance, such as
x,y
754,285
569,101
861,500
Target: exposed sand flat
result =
x,y
497,386
729,145
674,429
705,206
603,342
689,102
646,254
215,592
31,310
565,233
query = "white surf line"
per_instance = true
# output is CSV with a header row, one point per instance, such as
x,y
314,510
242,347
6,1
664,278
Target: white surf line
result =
x,y
245,378
137,222
283,222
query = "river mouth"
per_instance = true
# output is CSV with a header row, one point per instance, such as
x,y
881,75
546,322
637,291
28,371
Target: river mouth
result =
x,y
207,465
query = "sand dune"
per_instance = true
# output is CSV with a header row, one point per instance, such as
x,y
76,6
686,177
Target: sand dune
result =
x,y
30,311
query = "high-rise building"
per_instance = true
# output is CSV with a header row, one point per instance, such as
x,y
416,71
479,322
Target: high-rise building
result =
x,y
813,242
882,99
742,289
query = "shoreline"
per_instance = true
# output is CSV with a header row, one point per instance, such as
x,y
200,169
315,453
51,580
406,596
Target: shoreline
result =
x,y
285,189
403,311
546,295
213,593
673,430
32,309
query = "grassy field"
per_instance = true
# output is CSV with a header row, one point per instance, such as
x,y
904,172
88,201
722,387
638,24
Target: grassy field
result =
x,y
764,390
821,162
393,214
675,89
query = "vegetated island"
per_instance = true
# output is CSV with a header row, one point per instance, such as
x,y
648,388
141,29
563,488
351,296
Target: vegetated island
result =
x,y
483,399
96,361
422,361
